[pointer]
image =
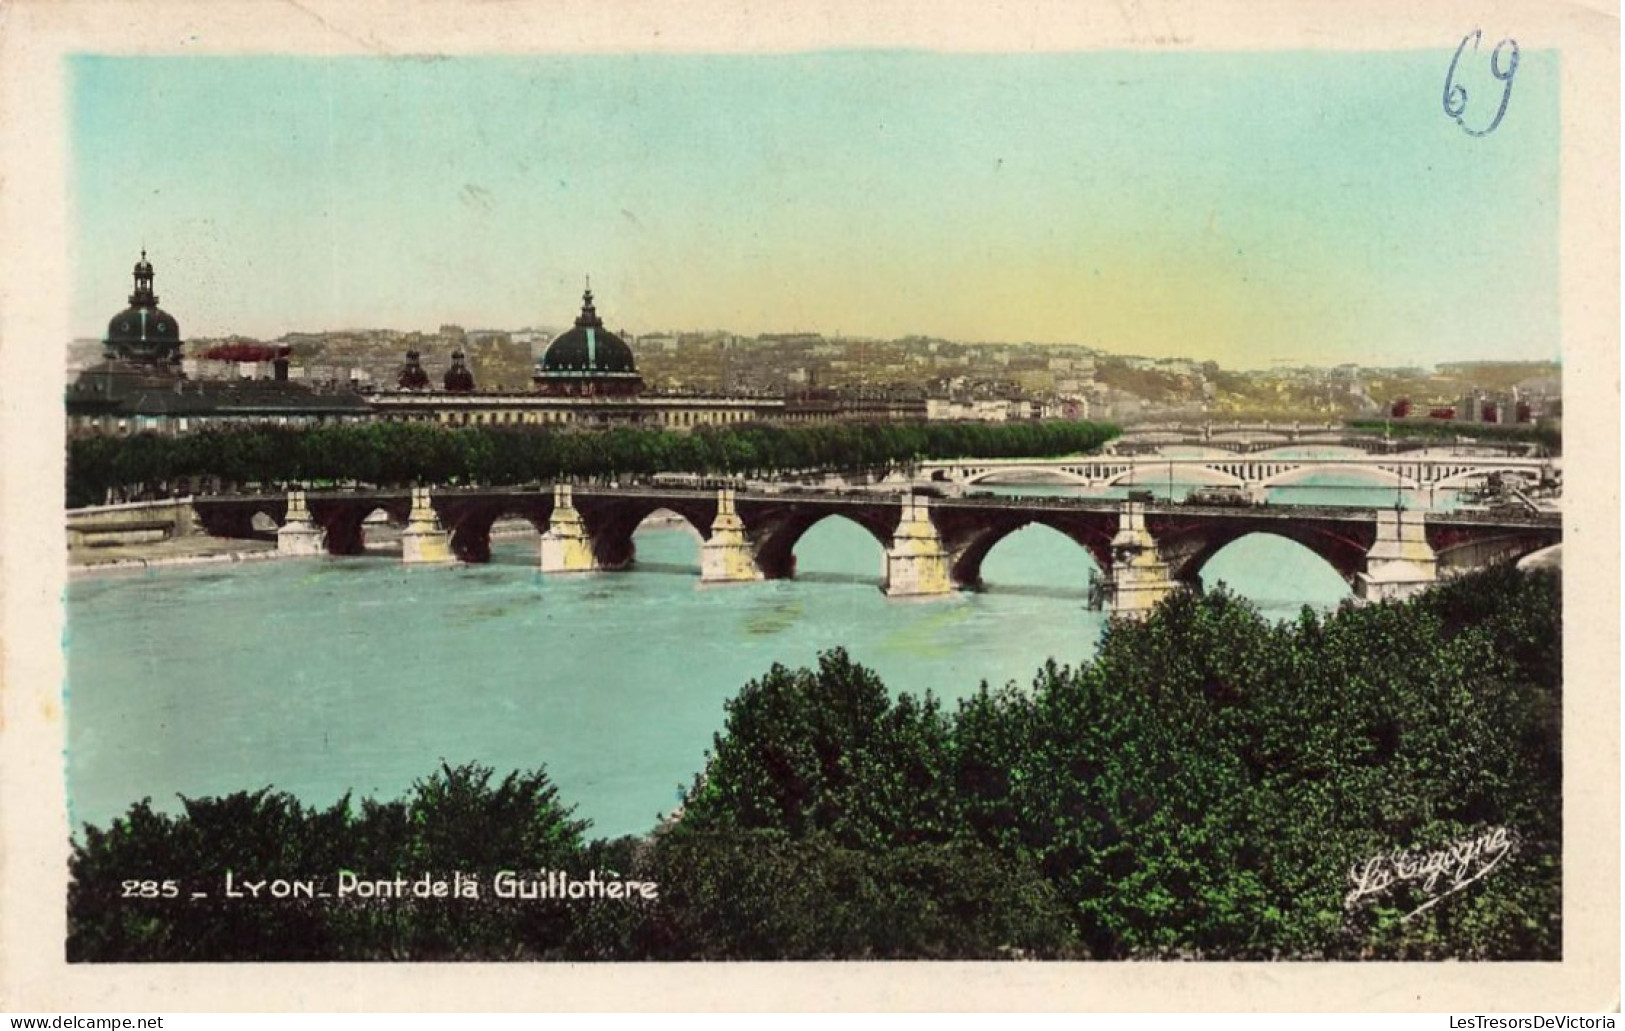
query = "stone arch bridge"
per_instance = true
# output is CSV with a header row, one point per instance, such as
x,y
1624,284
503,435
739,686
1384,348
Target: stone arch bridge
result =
x,y
932,546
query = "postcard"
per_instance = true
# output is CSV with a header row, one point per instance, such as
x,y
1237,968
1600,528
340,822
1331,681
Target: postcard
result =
x,y
1103,506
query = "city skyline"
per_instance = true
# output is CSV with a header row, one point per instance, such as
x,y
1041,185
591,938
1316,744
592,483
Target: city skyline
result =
x,y
1309,208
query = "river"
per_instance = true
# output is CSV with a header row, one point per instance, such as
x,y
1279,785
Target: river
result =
x,y
325,676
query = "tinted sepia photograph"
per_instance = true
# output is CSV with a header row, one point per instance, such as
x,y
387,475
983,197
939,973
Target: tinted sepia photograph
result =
x,y
1053,500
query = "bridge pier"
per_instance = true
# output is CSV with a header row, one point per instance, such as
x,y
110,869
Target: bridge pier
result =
x,y
726,555
299,535
424,541
566,546
1401,562
916,563
1139,576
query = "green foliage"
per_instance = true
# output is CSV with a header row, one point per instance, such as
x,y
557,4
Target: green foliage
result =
x,y
1201,789
828,752
1549,437
1225,774
397,454
767,895
455,821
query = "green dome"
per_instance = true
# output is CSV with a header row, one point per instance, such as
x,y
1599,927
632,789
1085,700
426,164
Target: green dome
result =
x,y
587,349
143,332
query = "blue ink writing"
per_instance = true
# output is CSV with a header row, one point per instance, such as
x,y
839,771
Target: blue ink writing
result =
x,y
1455,97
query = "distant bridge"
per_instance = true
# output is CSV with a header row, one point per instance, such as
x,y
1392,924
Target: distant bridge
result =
x,y
1249,442
1248,438
932,545
1412,471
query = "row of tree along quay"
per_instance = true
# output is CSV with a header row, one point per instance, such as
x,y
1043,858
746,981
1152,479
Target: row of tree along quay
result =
x,y
1375,782
397,454
1548,438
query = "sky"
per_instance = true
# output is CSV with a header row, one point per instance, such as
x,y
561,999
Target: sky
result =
x,y
1247,208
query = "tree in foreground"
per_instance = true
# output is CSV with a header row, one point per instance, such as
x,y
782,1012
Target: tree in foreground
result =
x,y
1205,787
458,820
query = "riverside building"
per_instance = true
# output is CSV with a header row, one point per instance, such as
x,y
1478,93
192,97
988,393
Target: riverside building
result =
x,y
139,386
586,379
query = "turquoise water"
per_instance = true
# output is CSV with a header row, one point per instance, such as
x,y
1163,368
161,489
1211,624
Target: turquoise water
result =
x,y
321,676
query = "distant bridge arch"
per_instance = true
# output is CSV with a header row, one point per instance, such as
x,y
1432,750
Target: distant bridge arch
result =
x,y
1289,452
1215,475
1250,437
1374,475
1039,475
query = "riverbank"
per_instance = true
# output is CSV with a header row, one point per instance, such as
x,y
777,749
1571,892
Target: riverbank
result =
x,y
204,550
177,551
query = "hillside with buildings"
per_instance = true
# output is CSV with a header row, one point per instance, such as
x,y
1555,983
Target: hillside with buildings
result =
x,y
957,380
590,375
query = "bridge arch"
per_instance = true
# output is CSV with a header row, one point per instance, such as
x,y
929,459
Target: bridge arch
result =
x,y
1187,552
1549,556
1094,538
1333,437
776,542
1036,475
614,530
1335,448
1217,452
468,523
1457,557
1376,476
344,519
1156,437
1245,436
1301,575
225,517
1204,475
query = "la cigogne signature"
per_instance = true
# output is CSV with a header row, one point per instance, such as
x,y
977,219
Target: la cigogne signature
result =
x,y
1441,872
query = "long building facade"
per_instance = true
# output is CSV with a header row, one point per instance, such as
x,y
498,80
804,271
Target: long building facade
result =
x,y
586,380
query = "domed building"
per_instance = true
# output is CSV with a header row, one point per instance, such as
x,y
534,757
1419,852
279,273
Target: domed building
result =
x,y
458,379
139,386
143,333
412,376
587,360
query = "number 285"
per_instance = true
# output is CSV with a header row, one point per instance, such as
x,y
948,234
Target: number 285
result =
x,y
151,889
